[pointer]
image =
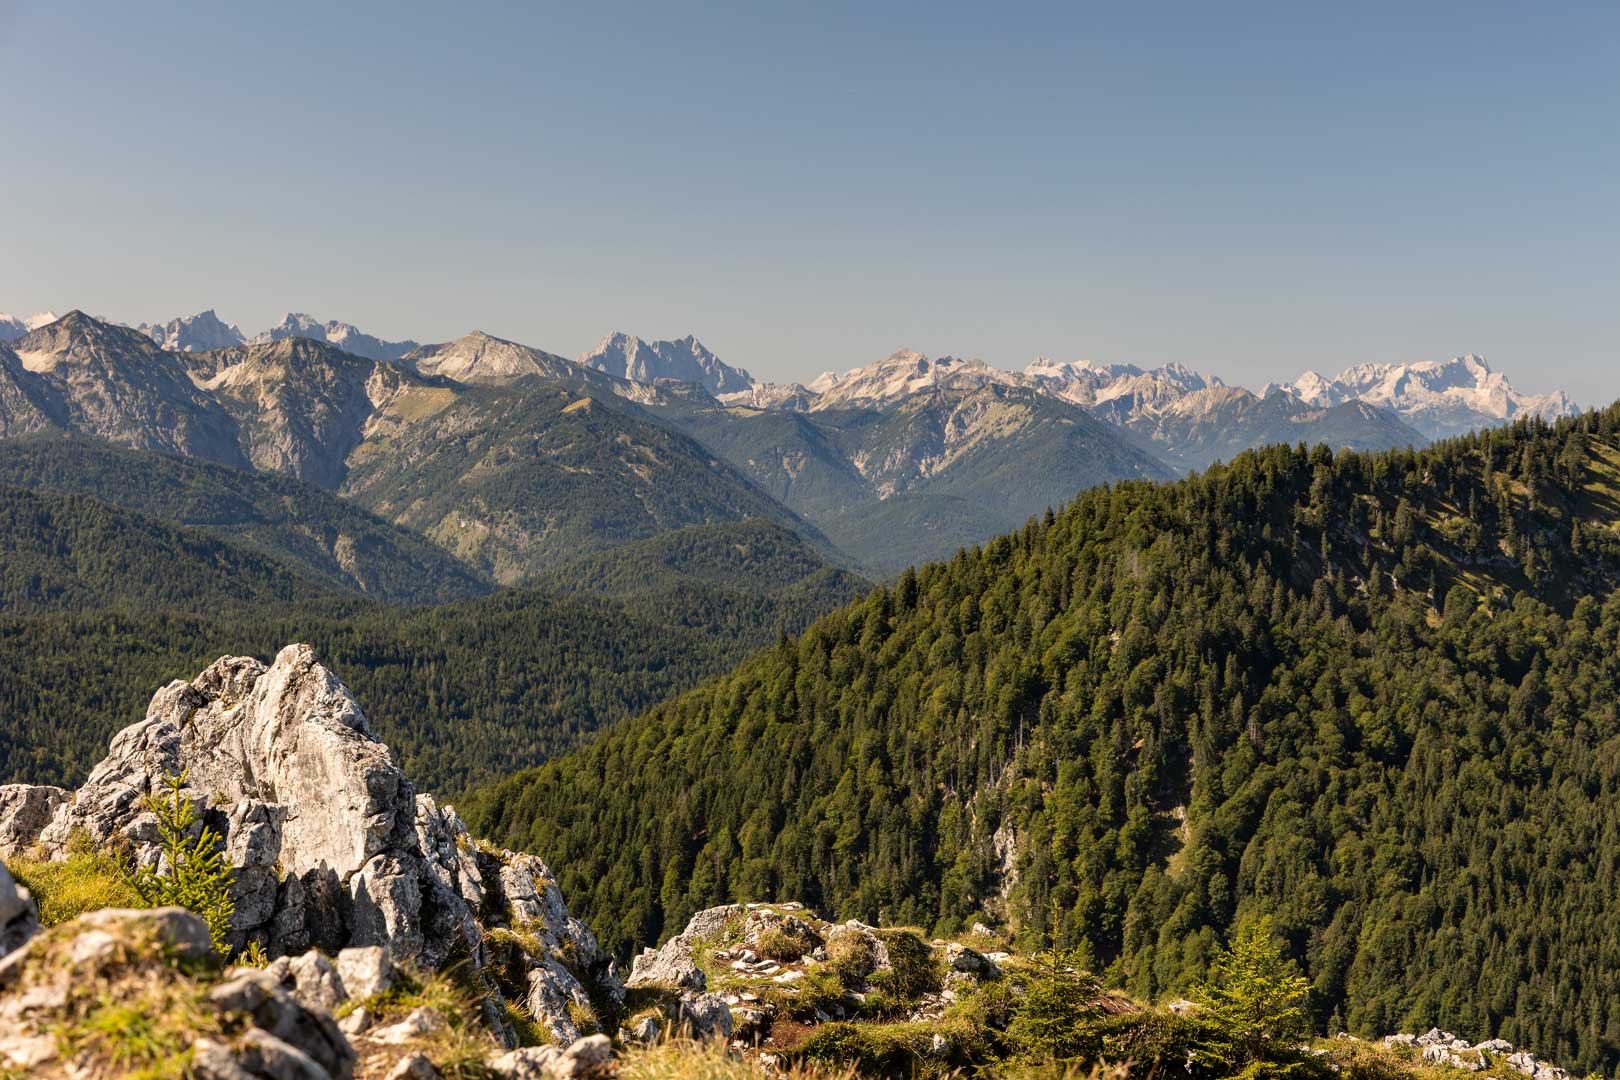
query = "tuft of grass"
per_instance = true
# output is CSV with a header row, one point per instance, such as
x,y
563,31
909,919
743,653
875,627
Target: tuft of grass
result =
x,y
446,990
584,1016
914,971
528,1030
852,957
778,944
87,880
819,991
460,1051
677,1060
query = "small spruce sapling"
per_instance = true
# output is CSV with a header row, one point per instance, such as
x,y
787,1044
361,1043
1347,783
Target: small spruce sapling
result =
x,y
1256,994
198,878
1054,1020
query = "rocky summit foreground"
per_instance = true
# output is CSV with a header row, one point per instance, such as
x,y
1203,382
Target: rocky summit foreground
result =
x,y
372,938
334,849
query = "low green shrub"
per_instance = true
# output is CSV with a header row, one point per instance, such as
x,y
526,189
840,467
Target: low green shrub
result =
x,y
1054,1019
913,971
875,1050
199,876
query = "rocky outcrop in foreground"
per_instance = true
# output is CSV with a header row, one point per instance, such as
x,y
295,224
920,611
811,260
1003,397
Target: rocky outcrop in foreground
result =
x,y
1436,1047
334,848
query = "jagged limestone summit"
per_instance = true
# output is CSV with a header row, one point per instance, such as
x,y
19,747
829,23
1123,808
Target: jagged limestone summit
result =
x,y
333,846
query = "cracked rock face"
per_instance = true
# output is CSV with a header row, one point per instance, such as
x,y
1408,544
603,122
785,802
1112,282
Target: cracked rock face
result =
x,y
333,846
25,810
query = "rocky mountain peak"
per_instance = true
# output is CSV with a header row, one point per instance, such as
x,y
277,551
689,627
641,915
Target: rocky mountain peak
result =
x,y
480,357
685,359
333,847
77,338
1438,397
344,335
193,333
13,327
901,374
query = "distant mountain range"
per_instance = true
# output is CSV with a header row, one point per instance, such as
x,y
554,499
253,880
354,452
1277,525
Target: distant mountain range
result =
x,y
13,327
513,458
193,333
348,338
1440,398
1436,399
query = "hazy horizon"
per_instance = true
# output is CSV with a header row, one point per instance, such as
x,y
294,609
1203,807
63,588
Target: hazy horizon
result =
x,y
1253,192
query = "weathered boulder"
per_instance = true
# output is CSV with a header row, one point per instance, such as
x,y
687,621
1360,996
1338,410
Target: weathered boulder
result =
x,y
365,971
422,1022
18,919
414,1067
970,961
312,979
334,849
703,1016
674,964
526,1063
25,810
583,1057
274,1010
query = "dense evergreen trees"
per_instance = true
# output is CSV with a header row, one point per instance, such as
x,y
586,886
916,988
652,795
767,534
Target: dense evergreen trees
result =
x,y
1376,697
100,607
311,532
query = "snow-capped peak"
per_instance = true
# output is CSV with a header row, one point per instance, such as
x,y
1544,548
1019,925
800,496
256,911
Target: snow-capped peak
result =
x,y
1438,397
13,327
901,374
342,335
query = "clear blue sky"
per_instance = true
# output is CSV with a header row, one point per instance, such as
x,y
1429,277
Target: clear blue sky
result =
x,y
1250,189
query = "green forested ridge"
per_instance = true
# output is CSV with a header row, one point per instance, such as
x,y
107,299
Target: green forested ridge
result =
x,y
313,531
463,692
756,554
1375,696
71,553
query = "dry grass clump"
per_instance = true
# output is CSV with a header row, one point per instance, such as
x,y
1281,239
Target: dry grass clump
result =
x,y
678,1060
781,945
852,957
87,880
460,1050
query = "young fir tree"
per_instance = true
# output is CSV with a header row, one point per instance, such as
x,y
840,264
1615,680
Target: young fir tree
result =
x,y
1256,994
198,877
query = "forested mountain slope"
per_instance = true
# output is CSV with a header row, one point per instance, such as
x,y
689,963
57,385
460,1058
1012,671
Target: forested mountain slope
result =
x,y
315,532
71,553
523,477
1376,696
755,555
464,692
